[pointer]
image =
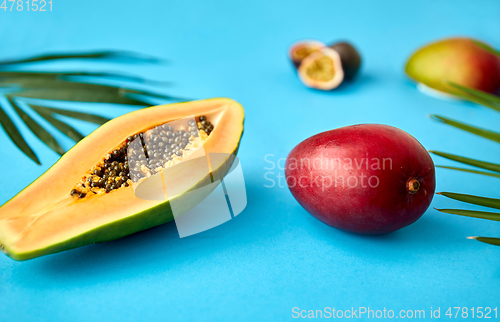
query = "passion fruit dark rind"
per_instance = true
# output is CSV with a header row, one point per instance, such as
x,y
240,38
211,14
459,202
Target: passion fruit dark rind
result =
x,y
350,58
47,218
322,69
301,49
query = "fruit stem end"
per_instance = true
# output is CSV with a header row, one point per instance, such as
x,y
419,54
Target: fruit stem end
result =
x,y
413,185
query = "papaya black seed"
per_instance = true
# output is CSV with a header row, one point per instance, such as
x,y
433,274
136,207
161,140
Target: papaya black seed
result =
x,y
154,149
82,195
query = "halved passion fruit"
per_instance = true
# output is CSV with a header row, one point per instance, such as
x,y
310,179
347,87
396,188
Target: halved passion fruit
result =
x,y
90,194
302,49
322,69
350,57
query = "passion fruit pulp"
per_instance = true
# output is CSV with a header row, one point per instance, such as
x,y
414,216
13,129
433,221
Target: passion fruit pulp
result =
x,y
300,50
322,69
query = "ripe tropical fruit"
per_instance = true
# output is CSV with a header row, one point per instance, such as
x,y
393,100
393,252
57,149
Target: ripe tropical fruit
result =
x,y
301,49
103,188
350,58
322,69
458,60
367,179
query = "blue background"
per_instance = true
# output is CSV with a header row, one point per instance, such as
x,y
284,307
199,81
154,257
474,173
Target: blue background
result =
x,y
274,256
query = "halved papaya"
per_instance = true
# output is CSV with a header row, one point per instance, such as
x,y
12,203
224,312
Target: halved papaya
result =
x,y
88,195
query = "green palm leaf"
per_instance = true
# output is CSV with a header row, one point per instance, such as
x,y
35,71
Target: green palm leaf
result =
x,y
54,89
481,201
476,163
38,130
16,137
127,91
106,54
477,96
479,101
61,126
470,171
490,135
80,92
486,47
487,240
493,102
24,78
477,93
472,213
73,114
75,86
